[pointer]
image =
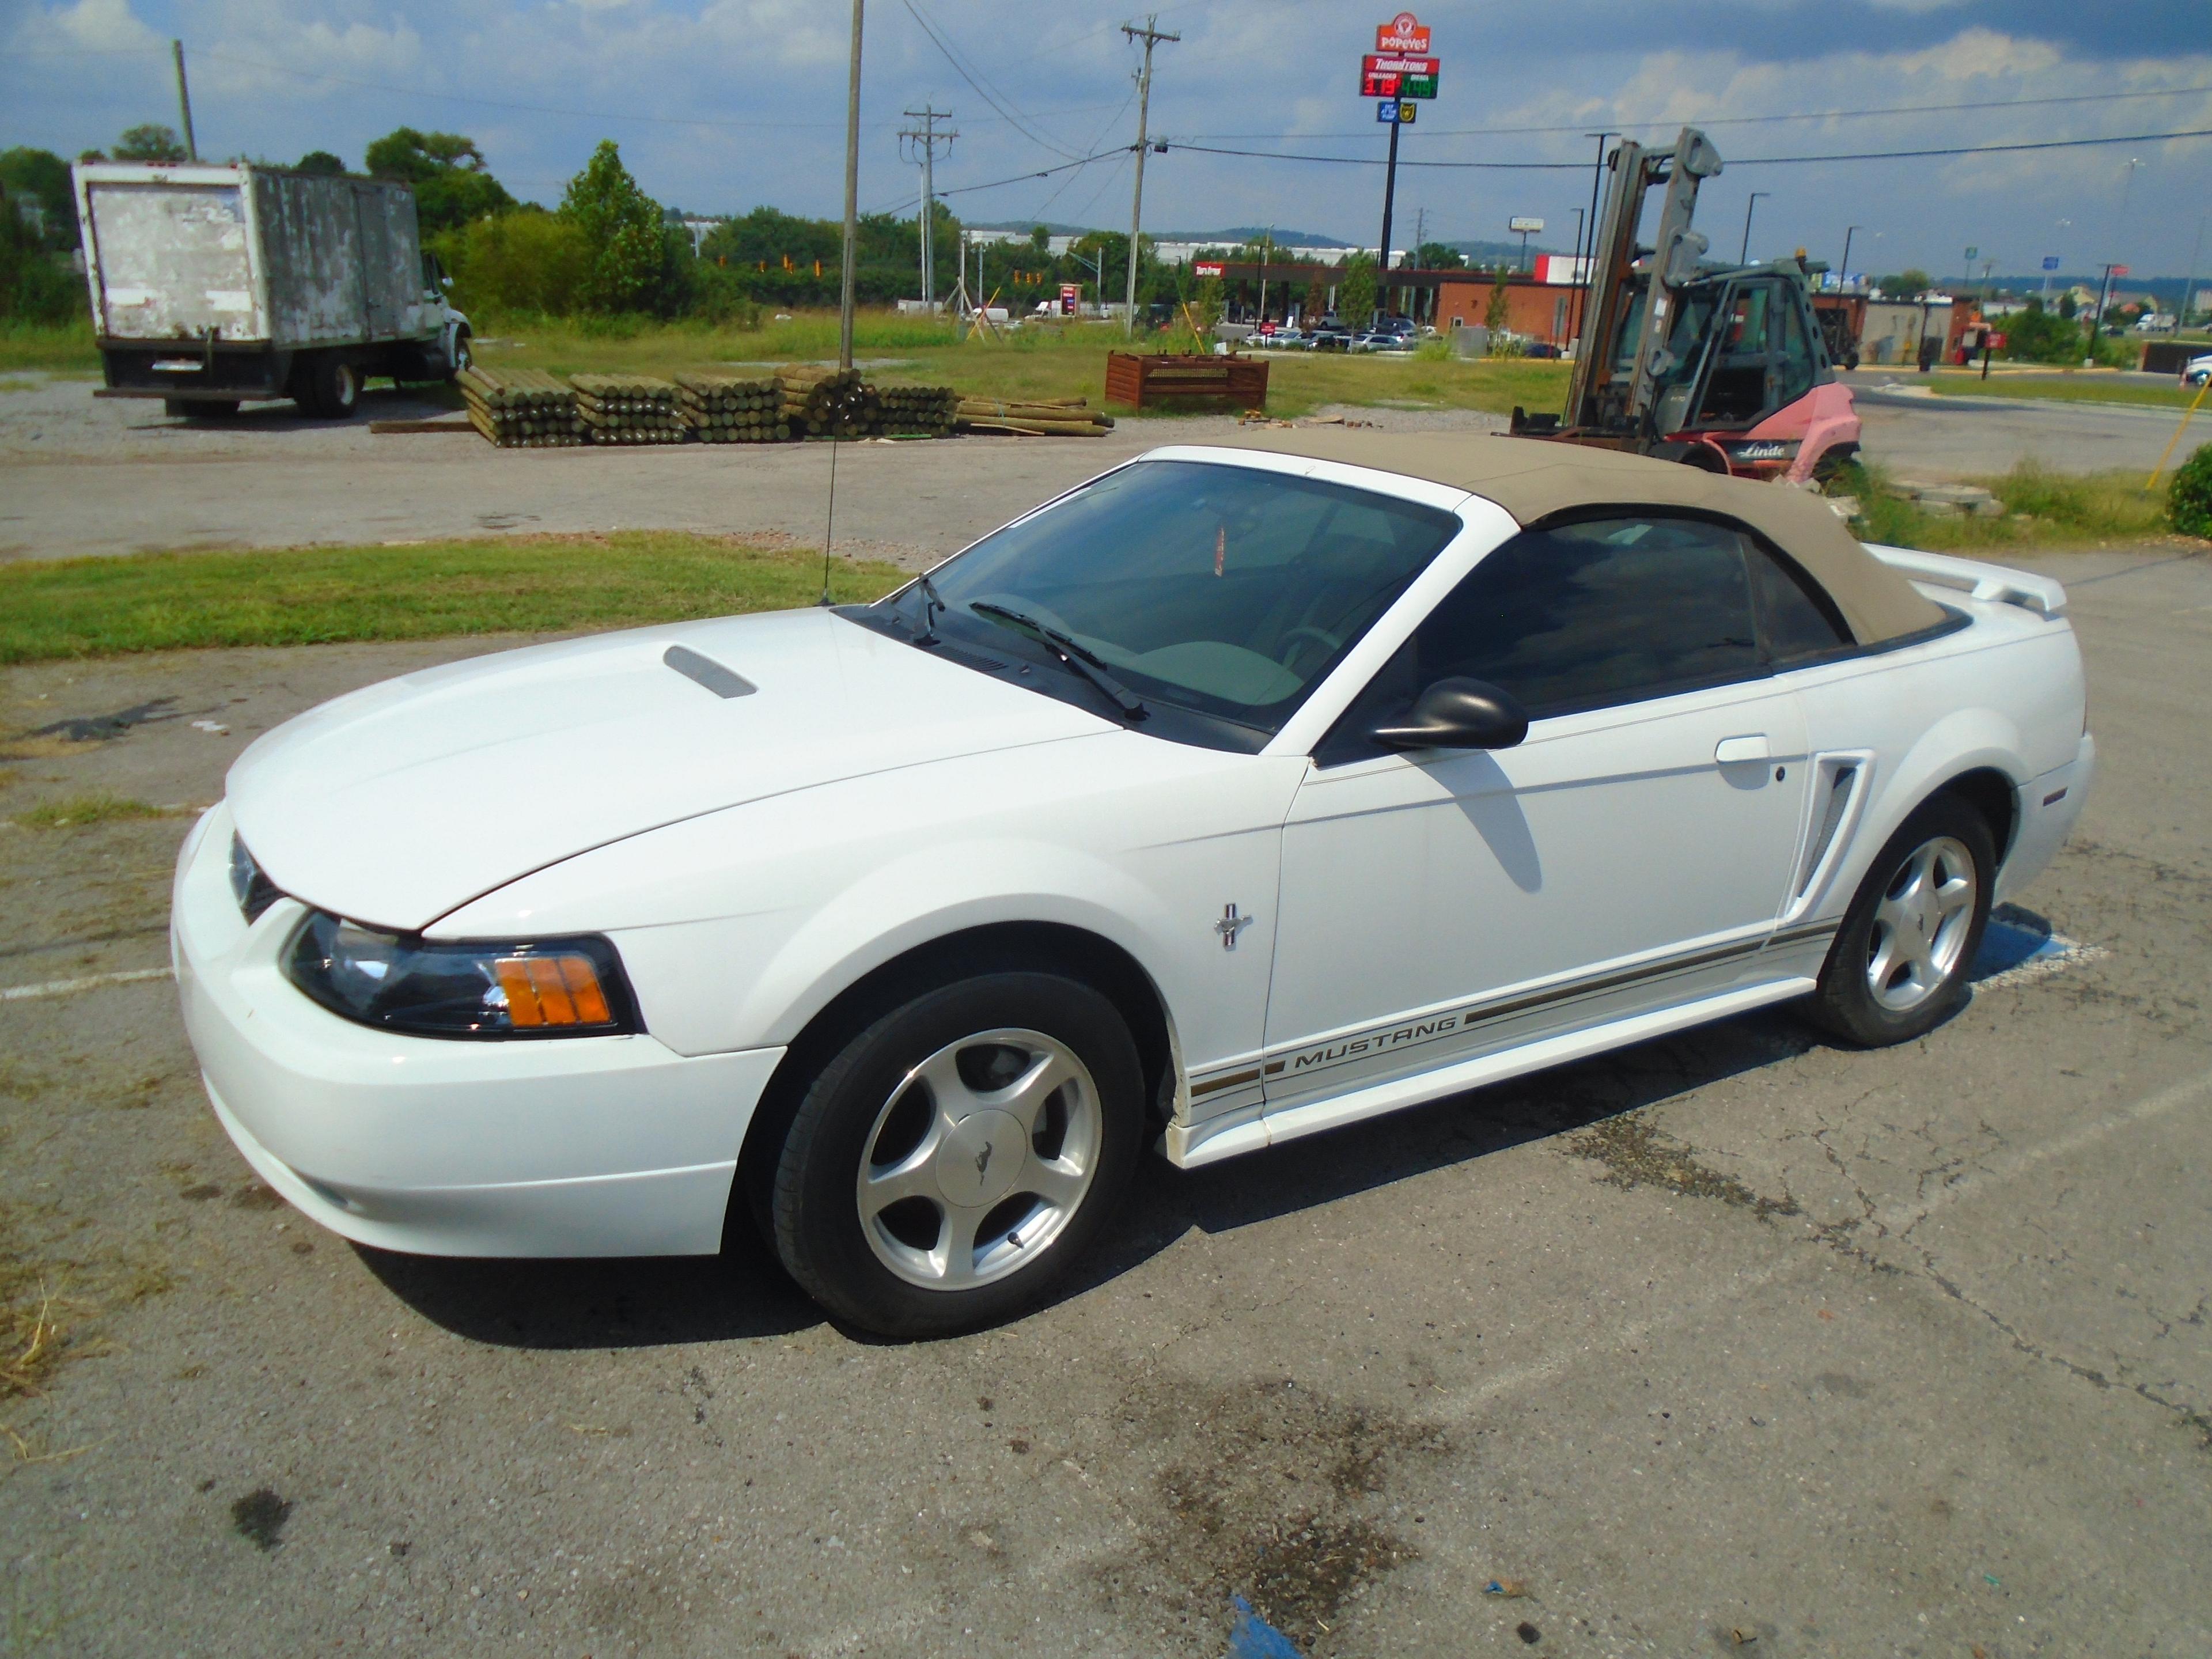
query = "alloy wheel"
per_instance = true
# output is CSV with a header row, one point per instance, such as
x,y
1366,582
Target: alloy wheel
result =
x,y
979,1159
1922,924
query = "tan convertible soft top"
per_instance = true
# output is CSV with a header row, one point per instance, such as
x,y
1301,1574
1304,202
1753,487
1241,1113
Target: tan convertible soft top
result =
x,y
1533,478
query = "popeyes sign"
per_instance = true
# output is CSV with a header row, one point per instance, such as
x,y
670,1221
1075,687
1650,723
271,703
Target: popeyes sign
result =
x,y
1403,33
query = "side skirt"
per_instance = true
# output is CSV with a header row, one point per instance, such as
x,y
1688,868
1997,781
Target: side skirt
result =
x,y
1190,1146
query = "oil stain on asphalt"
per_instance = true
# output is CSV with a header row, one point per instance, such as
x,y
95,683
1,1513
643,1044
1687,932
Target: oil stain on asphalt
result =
x,y
259,1517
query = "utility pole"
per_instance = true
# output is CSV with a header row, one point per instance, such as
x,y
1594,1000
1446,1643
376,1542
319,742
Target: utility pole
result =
x,y
926,139
1152,36
185,100
2096,317
1843,270
852,197
2189,289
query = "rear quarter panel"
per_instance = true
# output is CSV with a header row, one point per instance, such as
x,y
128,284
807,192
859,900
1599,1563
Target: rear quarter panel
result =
x,y
2006,693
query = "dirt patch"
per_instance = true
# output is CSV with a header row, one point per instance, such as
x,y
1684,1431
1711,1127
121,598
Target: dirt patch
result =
x,y
1636,1152
1275,1493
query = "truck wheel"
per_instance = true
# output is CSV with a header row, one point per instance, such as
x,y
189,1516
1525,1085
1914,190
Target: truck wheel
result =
x,y
463,357
333,389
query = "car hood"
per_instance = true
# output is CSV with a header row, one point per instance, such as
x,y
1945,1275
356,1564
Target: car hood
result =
x,y
400,802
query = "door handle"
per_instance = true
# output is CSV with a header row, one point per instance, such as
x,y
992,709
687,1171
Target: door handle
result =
x,y
1733,750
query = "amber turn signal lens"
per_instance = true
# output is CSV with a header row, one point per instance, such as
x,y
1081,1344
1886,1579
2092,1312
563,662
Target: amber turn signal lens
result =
x,y
552,990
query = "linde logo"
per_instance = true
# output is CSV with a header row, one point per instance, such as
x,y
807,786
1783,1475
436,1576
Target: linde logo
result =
x,y
1404,33
1380,1042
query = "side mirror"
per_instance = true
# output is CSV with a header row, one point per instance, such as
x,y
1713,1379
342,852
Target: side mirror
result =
x,y
1458,713
445,283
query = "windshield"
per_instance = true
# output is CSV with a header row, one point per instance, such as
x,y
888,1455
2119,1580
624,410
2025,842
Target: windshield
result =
x,y
1223,591
1693,316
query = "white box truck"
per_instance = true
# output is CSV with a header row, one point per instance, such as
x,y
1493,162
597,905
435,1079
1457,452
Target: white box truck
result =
x,y
213,284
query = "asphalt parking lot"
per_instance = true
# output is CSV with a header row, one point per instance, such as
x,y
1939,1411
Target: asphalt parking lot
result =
x,y
80,476
1735,1342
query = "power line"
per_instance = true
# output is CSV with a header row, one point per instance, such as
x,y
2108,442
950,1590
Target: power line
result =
x,y
1755,121
1743,161
979,83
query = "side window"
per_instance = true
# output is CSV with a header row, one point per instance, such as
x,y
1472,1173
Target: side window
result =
x,y
1796,619
1579,616
1795,361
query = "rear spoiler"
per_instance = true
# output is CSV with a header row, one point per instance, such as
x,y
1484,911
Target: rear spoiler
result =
x,y
1995,582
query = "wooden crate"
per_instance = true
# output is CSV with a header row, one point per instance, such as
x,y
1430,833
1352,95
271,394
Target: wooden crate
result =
x,y
1150,378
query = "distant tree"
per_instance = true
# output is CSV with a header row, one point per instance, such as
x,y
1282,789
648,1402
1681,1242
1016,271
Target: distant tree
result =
x,y
35,285
1907,284
1316,302
1040,239
1438,255
149,142
630,259
1496,314
44,177
322,162
2068,308
453,184
1355,290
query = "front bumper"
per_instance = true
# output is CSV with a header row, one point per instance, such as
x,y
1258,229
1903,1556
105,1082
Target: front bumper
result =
x,y
573,1147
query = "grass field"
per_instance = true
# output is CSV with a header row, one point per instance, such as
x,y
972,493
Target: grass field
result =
x,y
2043,509
1049,362
312,596
1067,362
2064,385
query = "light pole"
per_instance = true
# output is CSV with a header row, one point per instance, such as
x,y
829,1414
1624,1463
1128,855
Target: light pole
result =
x,y
1843,270
1744,257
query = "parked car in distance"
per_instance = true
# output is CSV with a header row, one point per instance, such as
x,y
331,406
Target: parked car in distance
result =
x,y
1378,341
2199,369
1248,791
1329,335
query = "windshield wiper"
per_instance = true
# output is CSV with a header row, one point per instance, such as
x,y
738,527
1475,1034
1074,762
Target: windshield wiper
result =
x,y
931,607
1079,658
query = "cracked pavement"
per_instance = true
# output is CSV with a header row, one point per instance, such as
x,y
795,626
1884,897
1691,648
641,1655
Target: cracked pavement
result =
x,y
1736,1342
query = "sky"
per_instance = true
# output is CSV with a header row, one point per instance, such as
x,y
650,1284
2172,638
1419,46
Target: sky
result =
x,y
719,105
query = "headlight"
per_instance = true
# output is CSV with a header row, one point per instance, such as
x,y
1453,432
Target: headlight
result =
x,y
429,987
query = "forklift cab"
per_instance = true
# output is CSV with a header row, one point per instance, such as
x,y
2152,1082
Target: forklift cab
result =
x,y
1742,346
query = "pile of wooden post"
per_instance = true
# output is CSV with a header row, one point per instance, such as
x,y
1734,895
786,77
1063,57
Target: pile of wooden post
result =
x,y
1045,417
721,409
929,410
819,402
629,409
520,407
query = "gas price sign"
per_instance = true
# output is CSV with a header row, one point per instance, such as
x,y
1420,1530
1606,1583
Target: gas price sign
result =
x,y
1381,76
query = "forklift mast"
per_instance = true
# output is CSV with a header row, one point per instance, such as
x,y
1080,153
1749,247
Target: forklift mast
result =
x,y
1602,396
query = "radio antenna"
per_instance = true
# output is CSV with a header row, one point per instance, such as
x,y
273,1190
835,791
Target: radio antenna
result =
x,y
828,528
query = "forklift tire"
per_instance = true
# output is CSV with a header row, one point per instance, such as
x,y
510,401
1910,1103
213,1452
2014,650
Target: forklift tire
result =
x,y
331,389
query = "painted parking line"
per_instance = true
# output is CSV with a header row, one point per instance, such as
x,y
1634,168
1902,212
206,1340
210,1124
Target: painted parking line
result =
x,y
2018,947
62,987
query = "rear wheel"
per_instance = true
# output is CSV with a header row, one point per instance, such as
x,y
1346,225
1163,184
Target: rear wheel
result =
x,y
957,1154
332,391
1899,962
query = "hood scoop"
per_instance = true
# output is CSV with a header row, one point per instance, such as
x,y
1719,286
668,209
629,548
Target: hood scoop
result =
x,y
722,682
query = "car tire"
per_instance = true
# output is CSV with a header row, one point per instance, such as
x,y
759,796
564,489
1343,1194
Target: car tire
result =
x,y
1900,964
885,1204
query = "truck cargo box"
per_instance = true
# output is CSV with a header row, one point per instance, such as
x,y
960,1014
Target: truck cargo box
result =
x,y
246,253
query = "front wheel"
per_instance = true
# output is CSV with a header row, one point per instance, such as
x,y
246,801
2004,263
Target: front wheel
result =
x,y
957,1155
1900,964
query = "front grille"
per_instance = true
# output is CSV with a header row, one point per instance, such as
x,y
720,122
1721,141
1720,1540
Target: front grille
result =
x,y
249,885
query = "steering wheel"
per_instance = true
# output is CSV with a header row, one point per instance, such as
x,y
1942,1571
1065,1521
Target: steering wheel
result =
x,y
1297,639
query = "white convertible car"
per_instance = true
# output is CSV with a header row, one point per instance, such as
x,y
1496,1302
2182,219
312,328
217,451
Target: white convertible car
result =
x,y
1248,791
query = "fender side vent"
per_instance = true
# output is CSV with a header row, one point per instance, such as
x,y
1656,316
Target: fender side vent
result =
x,y
722,682
1843,777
